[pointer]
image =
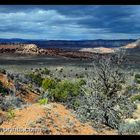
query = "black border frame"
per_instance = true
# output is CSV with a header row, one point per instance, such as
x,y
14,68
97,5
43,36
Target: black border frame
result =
x,y
70,2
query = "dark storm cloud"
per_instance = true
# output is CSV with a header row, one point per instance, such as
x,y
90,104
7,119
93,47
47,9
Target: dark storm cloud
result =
x,y
69,22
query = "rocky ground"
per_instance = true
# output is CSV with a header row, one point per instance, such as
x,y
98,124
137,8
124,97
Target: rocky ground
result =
x,y
50,119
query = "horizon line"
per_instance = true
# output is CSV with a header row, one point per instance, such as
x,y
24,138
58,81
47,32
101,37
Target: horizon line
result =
x,y
67,39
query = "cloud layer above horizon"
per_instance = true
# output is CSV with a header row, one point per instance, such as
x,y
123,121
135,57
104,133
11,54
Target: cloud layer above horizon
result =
x,y
67,22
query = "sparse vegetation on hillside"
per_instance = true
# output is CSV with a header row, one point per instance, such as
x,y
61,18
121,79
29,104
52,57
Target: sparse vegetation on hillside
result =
x,y
2,71
100,93
3,90
137,78
135,98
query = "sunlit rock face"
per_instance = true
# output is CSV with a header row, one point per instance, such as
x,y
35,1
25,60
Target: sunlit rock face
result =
x,y
138,43
135,44
98,50
28,49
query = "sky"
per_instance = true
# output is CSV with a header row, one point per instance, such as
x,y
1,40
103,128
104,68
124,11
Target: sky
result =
x,y
70,22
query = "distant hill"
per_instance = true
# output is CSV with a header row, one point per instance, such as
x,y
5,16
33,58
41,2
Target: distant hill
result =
x,y
133,45
101,50
71,44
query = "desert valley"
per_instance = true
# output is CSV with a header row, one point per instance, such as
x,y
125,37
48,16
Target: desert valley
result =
x,y
69,70
43,88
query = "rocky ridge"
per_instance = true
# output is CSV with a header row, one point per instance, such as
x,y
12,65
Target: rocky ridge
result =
x,y
33,49
133,45
98,50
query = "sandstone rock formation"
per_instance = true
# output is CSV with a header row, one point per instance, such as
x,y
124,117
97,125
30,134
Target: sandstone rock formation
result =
x,y
98,50
31,49
135,44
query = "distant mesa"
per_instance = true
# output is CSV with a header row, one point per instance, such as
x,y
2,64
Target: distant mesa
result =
x,y
98,50
133,45
28,49
103,50
86,51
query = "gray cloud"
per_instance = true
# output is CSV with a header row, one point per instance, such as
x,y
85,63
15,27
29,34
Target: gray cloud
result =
x,y
69,22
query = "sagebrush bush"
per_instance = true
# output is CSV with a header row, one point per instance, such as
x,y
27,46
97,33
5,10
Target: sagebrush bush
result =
x,y
98,108
3,90
137,78
45,71
10,102
35,78
129,128
137,75
82,82
3,71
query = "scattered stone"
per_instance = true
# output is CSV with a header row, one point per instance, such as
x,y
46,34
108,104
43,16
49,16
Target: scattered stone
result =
x,y
40,120
49,106
46,130
71,123
56,114
75,130
67,120
55,125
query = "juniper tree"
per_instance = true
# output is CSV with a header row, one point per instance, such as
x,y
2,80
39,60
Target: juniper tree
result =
x,y
106,102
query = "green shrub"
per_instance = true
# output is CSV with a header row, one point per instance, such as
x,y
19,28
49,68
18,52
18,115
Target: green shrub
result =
x,y
3,89
132,89
64,89
129,87
2,71
135,98
48,84
61,70
79,75
10,114
46,71
35,78
137,76
43,101
137,81
73,102
57,79
1,83
82,82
